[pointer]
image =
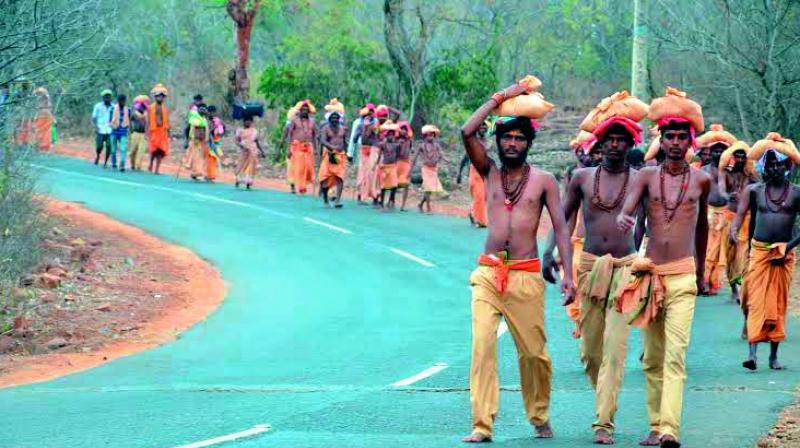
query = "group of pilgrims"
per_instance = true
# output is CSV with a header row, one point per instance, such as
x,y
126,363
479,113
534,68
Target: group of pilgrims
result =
x,y
633,241
381,141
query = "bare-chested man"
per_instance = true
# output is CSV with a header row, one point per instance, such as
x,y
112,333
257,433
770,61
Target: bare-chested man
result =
x,y
715,255
774,205
732,182
430,151
301,136
604,268
675,196
404,161
508,282
389,147
333,167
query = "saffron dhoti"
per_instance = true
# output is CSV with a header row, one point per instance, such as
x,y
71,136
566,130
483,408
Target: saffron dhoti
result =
x,y
302,164
765,294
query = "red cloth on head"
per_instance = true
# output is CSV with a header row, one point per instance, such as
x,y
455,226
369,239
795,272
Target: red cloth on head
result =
x,y
631,126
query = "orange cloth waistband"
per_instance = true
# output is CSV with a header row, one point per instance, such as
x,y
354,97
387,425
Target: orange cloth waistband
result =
x,y
297,145
647,291
502,267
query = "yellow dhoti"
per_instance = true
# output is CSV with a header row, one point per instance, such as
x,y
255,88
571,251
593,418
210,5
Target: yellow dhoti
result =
x,y
603,330
195,159
663,298
737,254
515,291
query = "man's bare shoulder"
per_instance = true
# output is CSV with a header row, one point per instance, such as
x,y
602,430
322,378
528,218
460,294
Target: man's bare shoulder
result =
x,y
702,175
647,171
545,177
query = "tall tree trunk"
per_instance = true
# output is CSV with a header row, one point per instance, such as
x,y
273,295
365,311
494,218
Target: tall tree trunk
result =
x,y
243,13
639,75
408,58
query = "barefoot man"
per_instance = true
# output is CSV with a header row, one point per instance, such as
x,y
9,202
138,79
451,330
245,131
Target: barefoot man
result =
x,y
158,128
404,161
508,280
301,134
431,153
664,291
605,262
389,147
775,204
333,167
715,142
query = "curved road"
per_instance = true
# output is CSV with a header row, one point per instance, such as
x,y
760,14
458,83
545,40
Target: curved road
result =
x,y
344,328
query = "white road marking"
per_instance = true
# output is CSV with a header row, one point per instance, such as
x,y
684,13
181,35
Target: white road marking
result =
x,y
412,257
430,371
171,190
254,431
328,226
502,329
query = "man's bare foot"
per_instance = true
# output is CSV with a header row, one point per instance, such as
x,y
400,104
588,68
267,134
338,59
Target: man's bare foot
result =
x,y
652,439
477,437
543,431
603,437
750,364
668,441
775,365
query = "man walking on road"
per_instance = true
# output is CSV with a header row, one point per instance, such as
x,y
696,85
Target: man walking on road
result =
x,y
666,285
101,119
508,280
605,262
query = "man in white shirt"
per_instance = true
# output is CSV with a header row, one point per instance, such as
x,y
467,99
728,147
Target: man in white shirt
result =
x,y
101,119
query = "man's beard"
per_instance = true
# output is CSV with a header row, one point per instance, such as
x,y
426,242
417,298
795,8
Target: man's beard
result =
x,y
513,162
774,176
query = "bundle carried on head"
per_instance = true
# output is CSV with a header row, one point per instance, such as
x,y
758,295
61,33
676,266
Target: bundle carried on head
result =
x,y
335,106
726,160
389,126
620,109
141,101
530,104
716,135
431,129
406,126
382,111
676,107
775,142
307,103
584,140
159,89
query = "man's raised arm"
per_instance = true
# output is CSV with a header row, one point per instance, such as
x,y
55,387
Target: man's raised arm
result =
x,y
469,133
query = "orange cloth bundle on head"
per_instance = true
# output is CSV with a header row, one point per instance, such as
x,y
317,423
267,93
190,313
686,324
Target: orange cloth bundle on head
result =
x,y
431,129
159,89
716,134
311,108
676,104
775,142
584,140
531,104
621,104
727,160
335,106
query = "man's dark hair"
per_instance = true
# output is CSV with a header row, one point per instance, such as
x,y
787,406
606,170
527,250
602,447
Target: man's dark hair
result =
x,y
522,124
676,126
198,97
212,108
122,98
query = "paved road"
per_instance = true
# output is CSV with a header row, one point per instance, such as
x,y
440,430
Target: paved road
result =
x,y
327,311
